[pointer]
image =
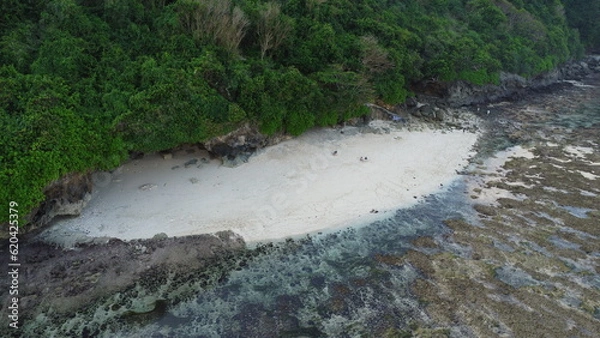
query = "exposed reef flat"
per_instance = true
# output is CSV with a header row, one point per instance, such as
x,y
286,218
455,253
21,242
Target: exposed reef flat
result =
x,y
529,264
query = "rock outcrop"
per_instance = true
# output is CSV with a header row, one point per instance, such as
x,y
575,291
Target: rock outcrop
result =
x,y
59,283
236,147
435,93
66,196
463,94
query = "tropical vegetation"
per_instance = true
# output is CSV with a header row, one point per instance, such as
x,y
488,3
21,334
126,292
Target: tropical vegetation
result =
x,y
83,83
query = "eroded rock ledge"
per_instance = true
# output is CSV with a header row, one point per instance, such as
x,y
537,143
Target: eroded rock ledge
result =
x,y
66,196
59,282
511,86
235,147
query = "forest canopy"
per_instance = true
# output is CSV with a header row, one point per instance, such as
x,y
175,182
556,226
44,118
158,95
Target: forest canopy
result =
x,y
85,82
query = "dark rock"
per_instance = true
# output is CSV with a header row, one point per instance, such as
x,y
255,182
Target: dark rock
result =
x,y
426,111
224,150
361,121
241,142
190,162
411,102
136,155
462,93
70,281
440,114
378,112
510,87
235,161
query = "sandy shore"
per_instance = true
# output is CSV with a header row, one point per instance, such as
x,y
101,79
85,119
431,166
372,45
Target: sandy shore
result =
x,y
297,187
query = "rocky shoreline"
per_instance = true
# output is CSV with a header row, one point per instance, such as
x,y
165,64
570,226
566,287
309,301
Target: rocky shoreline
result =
x,y
109,271
528,265
58,283
511,87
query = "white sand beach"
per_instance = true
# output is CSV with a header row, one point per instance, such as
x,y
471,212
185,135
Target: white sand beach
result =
x,y
296,187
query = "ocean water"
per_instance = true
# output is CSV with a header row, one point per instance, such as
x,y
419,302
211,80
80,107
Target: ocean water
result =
x,y
334,285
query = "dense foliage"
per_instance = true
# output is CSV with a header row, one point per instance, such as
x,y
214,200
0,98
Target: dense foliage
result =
x,y
584,15
84,82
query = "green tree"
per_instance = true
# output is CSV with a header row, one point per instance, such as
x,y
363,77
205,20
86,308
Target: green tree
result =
x,y
583,15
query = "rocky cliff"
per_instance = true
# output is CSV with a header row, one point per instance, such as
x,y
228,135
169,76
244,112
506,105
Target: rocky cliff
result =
x,y
66,196
461,93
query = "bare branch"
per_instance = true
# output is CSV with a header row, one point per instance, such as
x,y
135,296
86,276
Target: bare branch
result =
x,y
214,20
272,28
375,57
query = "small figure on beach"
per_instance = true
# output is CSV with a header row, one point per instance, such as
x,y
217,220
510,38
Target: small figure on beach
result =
x,y
334,153
364,159
373,211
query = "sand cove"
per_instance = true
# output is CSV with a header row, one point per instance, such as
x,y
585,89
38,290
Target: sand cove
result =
x,y
326,179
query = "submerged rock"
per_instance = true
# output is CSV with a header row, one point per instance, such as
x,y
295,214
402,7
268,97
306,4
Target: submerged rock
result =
x,y
515,277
